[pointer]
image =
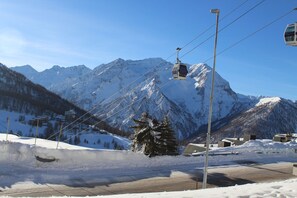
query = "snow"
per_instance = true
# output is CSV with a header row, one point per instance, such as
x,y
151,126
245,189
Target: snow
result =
x,y
19,168
103,141
271,100
114,86
89,138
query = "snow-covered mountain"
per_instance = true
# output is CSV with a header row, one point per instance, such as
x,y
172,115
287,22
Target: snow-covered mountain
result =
x,y
50,77
124,89
267,118
25,105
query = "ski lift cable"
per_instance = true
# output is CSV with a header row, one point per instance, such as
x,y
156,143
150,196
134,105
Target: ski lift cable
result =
x,y
252,8
232,11
233,45
208,38
96,105
251,34
207,29
103,120
76,122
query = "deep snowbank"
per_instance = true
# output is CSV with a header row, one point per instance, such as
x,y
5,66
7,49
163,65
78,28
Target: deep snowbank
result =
x,y
80,157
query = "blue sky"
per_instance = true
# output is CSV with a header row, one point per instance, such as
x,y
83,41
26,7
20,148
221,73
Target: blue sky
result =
x,y
44,33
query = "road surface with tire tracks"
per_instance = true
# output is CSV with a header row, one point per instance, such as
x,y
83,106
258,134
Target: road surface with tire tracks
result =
x,y
246,172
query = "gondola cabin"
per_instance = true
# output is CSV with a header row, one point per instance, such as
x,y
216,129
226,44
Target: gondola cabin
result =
x,y
291,34
179,71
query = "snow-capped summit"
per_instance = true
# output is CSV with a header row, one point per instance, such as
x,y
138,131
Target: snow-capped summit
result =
x,y
269,101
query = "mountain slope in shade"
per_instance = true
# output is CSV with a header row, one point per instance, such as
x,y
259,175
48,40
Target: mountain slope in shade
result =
x,y
21,95
18,94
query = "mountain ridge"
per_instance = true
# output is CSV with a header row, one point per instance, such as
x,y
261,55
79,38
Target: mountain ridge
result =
x,y
19,94
137,86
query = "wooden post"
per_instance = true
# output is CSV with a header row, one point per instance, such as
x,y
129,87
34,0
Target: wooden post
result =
x,y
36,134
295,169
59,135
7,130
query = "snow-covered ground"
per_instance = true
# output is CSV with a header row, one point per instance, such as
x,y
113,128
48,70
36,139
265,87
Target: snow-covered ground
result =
x,y
89,138
19,167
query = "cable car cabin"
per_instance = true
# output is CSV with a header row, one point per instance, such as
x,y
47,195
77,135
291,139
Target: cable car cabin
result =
x,y
179,71
291,34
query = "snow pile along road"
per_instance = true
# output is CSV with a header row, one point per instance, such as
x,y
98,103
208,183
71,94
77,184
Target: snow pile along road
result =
x,y
81,157
19,167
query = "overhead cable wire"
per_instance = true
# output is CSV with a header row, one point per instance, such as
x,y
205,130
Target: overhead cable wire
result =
x,y
97,105
251,34
231,46
207,29
103,120
252,8
76,122
229,13
212,35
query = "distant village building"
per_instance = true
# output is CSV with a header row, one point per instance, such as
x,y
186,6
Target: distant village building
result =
x,y
249,137
231,142
70,115
236,141
60,118
224,143
193,148
282,137
41,121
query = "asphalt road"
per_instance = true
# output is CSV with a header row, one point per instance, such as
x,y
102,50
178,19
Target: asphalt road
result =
x,y
247,172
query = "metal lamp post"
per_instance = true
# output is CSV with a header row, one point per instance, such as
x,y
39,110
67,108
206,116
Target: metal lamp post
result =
x,y
217,12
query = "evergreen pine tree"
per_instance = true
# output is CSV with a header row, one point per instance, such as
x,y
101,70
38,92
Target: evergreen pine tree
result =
x,y
154,138
76,140
140,129
49,132
144,136
168,143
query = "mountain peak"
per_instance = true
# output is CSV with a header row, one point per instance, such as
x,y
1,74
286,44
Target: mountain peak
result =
x,y
56,67
196,69
25,69
269,101
117,61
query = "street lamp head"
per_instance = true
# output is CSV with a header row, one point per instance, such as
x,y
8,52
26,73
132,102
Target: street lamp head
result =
x,y
217,11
